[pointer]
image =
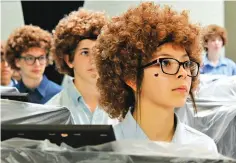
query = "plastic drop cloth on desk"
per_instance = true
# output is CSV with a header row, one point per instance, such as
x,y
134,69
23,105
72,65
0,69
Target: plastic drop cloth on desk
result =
x,y
128,151
222,89
216,113
4,89
16,112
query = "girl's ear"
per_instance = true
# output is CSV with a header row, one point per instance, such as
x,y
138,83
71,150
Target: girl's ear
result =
x,y
131,84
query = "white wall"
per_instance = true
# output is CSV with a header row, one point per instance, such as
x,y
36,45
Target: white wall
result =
x,y
204,12
11,17
112,7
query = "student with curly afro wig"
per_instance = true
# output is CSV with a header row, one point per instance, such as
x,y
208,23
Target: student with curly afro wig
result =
x,y
214,39
27,51
15,75
6,70
73,40
148,61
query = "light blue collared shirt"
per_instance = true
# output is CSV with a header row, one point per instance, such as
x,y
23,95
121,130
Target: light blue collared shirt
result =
x,y
225,66
129,129
71,98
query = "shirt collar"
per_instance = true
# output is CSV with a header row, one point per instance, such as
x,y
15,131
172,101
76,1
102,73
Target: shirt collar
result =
x,y
131,129
180,133
222,61
206,61
73,92
41,88
22,87
11,84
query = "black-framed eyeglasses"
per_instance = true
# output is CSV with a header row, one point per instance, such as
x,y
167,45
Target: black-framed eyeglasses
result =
x,y
171,66
30,60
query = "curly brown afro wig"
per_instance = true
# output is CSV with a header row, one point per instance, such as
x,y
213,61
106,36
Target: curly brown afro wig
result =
x,y
78,25
24,38
2,48
129,41
212,31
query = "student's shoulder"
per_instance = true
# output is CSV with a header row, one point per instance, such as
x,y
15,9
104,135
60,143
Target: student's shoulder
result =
x,y
17,85
56,99
230,62
54,86
193,132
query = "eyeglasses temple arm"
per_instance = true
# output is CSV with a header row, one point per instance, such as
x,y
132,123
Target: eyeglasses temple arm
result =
x,y
149,64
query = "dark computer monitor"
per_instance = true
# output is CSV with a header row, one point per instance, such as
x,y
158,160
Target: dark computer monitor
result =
x,y
73,135
15,96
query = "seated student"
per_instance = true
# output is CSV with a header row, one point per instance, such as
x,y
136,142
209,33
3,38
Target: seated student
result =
x,y
74,38
148,62
6,71
16,75
27,50
214,39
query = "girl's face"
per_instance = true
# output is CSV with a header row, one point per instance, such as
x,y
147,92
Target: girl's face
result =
x,y
166,83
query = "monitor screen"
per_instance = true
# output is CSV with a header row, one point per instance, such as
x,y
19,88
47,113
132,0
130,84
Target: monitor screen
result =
x,y
73,135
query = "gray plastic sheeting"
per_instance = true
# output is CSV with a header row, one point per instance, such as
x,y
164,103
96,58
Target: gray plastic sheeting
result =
x,y
216,113
15,112
4,89
30,151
